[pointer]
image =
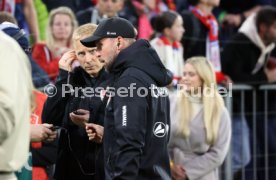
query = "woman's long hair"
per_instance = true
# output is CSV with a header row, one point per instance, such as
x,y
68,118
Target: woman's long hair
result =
x,y
50,40
212,101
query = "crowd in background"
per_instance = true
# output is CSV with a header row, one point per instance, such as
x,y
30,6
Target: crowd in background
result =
x,y
237,37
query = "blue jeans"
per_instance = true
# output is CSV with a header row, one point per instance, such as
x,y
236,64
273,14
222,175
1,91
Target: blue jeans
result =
x,y
240,143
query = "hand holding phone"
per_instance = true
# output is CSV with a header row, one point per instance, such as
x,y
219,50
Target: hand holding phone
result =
x,y
54,128
80,117
78,112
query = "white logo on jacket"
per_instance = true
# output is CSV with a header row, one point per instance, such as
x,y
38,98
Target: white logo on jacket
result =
x,y
160,129
124,115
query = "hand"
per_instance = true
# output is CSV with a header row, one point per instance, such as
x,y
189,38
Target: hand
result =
x,y
227,81
42,132
95,132
66,60
80,117
271,75
178,172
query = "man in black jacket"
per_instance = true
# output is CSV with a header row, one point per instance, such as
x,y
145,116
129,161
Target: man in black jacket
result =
x,y
72,107
137,118
245,59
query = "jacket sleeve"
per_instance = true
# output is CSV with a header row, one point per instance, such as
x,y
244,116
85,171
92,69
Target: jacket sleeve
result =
x,y
40,78
159,48
49,65
214,157
130,115
15,92
54,107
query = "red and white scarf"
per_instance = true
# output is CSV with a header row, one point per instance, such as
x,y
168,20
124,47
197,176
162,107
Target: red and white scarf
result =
x,y
212,44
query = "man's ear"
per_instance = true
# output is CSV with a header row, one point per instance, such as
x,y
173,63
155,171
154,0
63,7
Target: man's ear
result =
x,y
119,40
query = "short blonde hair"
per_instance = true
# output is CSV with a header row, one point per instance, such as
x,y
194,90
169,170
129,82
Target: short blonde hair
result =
x,y
212,105
50,41
83,31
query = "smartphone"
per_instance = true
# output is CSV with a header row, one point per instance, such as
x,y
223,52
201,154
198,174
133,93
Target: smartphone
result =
x,y
77,113
54,128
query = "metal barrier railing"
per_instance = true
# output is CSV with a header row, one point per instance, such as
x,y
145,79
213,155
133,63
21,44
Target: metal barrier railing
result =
x,y
241,89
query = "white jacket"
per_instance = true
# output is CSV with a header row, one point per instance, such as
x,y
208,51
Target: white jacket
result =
x,y
15,97
170,57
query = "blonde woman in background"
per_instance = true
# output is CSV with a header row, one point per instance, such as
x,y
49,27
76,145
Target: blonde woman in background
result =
x,y
61,25
201,127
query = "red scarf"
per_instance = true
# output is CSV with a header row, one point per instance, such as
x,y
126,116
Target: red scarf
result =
x,y
209,22
165,40
175,45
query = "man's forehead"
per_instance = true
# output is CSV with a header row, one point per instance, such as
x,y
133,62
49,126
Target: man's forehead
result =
x,y
84,48
114,1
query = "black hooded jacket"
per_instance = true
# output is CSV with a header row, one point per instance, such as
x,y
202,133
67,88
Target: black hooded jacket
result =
x,y
137,123
78,158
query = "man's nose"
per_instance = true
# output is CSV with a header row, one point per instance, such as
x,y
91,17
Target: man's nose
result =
x,y
98,53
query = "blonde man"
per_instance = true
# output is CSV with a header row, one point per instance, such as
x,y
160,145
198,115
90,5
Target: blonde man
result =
x,y
78,158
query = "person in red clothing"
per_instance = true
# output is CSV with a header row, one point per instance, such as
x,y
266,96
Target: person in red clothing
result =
x,y
201,36
38,133
61,25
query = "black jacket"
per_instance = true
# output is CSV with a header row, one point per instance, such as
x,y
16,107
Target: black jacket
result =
x,y
74,149
137,128
194,38
239,58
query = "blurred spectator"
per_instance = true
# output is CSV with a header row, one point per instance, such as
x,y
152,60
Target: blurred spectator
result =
x,y
146,9
40,78
201,126
245,60
169,31
42,18
7,5
74,5
231,14
39,133
15,107
25,14
201,36
61,25
181,5
103,9
78,158
256,39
